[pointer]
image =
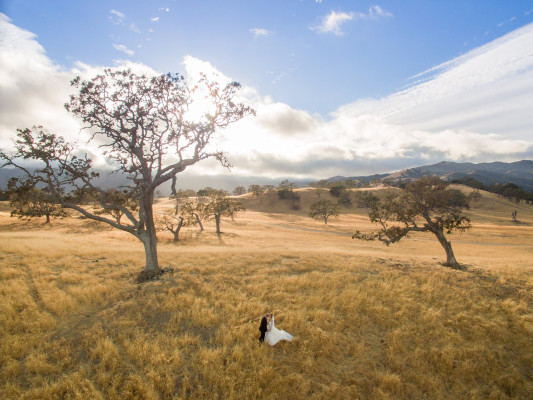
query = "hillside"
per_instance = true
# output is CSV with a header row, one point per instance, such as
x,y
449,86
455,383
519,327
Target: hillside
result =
x,y
519,173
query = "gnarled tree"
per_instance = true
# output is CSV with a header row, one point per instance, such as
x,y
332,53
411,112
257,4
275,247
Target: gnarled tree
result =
x,y
425,205
148,133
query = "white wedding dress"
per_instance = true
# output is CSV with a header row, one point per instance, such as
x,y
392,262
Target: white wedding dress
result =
x,y
274,335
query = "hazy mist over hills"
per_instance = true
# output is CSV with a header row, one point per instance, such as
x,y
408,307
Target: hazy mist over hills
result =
x,y
519,173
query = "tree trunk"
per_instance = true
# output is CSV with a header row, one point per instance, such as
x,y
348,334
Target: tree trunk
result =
x,y
450,257
149,239
326,220
217,221
199,221
47,218
177,231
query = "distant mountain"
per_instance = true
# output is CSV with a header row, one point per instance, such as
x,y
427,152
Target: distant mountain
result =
x,y
519,173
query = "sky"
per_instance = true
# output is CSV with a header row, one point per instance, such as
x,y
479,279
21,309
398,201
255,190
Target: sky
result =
x,y
340,87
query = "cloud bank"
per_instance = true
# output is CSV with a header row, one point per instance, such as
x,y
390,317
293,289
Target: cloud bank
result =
x,y
476,108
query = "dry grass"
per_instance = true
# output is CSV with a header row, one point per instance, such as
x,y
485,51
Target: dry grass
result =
x,y
369,321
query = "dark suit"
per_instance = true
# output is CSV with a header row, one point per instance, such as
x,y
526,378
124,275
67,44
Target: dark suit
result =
x,y
263,328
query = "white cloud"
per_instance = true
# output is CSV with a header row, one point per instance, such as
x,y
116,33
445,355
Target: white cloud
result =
x,y
378,12
32,88
257,32
116,17
154,19
124,49
332,23
165,9
134,28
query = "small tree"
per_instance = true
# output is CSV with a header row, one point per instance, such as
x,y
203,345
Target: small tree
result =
x,y
179,195
425,205
221,206
256,190
323,209
200,212
239,190
28,202
173,223
149,134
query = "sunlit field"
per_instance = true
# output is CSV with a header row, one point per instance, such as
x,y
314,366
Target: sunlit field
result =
x,y
369,321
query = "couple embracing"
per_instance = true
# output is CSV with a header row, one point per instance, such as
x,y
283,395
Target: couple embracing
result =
x,y
269,332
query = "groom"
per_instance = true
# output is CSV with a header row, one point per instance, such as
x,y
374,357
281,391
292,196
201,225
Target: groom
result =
x,y
263,328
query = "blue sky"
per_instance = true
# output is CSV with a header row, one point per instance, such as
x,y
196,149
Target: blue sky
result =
x,y
373,56
358,87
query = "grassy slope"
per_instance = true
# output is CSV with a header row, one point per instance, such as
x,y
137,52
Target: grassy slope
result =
x,y
369,321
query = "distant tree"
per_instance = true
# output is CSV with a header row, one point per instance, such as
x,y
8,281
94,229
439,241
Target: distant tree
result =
x,y
239,190
256,190
211,193
351,183
224,206
365,199
205,192
286,192
149,135
425,205
27,202
345,198
467,181
323,209
269,188
173,223
322,184
287,185
200,211
116,202
337,189
181,195
474,195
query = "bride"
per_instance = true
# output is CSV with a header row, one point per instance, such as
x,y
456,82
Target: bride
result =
x,y
273,334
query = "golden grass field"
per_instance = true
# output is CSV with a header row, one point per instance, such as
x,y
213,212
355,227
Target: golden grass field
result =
x,y
369,321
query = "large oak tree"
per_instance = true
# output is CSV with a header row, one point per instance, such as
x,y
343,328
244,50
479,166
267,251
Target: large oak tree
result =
x,y
425,205
149,131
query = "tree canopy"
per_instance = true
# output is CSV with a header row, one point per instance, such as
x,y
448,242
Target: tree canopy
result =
x,y
425,205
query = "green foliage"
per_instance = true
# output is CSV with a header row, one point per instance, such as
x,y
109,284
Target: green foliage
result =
x,y
286,192
323,209
365,199
474,195
211,193
337,189
239,190
256,190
